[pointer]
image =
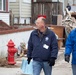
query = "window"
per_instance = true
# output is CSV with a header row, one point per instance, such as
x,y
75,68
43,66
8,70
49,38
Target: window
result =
x,y
27,1
15,20
12,0
2,5
34,0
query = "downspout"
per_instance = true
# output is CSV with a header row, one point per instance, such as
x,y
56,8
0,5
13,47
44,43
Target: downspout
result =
x,y
20,11
8,5
57,7
2,5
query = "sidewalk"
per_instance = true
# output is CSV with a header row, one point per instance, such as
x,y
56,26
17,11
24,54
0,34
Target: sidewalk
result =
x,y
61,67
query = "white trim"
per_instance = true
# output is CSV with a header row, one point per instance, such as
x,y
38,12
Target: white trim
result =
x,y
12,0
15,20
2,9
27,1
2,5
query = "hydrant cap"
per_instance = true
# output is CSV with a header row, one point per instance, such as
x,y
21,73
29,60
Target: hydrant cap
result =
x,y
11,43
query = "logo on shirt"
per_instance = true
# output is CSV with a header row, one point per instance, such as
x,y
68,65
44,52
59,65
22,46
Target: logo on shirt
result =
x,y
46,39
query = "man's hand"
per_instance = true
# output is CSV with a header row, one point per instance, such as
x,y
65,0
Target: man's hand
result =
x,y
29,59
67,58
52,62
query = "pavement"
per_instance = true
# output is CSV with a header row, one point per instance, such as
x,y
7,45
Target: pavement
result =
x,y
61,67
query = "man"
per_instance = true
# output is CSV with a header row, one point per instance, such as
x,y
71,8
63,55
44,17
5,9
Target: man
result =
x,y
42,48
68,7
71,48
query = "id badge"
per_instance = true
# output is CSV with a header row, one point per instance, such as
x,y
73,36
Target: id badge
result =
x,y
45,46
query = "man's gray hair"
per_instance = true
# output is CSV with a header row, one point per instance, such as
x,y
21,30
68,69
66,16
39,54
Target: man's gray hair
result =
x,y
43,19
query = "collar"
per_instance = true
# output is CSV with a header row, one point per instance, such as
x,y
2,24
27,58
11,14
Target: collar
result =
x,y
45,33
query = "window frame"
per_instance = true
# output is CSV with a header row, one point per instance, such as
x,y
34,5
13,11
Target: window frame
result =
x,y
3,5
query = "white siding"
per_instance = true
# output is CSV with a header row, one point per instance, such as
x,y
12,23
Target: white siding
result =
x,y
27,20
5,18
54,0
27,1
25,9
14,6
21,9
12,0
16,38
22,21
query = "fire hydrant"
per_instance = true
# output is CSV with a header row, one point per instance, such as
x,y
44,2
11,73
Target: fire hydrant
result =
x,y
11,52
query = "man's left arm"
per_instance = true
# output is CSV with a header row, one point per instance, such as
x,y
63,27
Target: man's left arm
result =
x,y
54,50
54,46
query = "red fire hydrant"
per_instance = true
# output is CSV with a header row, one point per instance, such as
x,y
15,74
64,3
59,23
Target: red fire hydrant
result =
x,y
11,52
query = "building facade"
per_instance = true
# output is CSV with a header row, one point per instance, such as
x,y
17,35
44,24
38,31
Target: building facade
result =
x,y
21,10
4,14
